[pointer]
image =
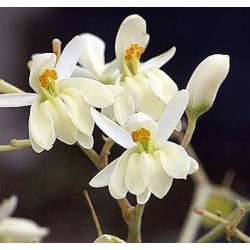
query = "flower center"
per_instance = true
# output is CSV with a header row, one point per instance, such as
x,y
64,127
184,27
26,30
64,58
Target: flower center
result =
x,y
48,83
132,59
143,139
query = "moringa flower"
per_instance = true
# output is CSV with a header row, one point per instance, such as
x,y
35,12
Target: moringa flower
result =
x,y
61,107
18,230
147,88
204,84
150,162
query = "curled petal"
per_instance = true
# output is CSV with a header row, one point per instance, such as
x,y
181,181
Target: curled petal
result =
x,y
158,61
160,182
117,185
172,115
131,31
138,172
41,126
68,59
92,53
78,110
17,100
144,197
103,177
123,107
113,130
64,128
94,92
194,166
175,160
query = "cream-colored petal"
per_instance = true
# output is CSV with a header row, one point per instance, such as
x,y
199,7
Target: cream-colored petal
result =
x,y
161,84
65,130
7,207
171,115
17,100
158,61
140,120
68,59
138,172
144,98
117,185
103,177
78,110
107,238
113,130
86,141
144,197
131,31
40,63
111,72
194,166
92,53
18,230
123,107
174,159
94,92
41,126
160,182
83,73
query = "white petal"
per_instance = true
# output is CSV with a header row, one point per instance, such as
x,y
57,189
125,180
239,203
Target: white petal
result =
x,y
140,120
34,145
172,115
113,130
84,73
40,63
64,128
41,125
94,92
86,141
17,100
178,126
78,110
18,230
159,183
117,185
194,166
158,61
123,107
161,84
138,172
174,159
116,90
144,98
7,207
131,31
109,112
111,72
68,59
107,238
144,197
92,53
103,177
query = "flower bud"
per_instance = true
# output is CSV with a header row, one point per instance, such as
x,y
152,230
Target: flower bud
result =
x,y
107,238
204,84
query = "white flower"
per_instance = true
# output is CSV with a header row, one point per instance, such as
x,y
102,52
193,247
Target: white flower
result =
x,y
61,107
108,238
18,230
150,162
147,88
92,61
205,82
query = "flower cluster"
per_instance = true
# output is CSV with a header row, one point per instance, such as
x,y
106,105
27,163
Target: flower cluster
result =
x,y
140,106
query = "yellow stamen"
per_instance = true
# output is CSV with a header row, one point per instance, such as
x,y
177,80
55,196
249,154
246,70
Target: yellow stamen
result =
x,y
134,51
47,76
142,134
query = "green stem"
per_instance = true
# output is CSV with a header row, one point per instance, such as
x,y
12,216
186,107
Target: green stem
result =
x,y
242,236
189,133
7,88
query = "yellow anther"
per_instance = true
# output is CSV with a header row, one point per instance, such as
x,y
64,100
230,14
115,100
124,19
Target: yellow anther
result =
x,y
47,76
142,133
134,51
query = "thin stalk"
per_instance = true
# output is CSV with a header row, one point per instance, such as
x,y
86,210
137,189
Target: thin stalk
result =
x,y
7,88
